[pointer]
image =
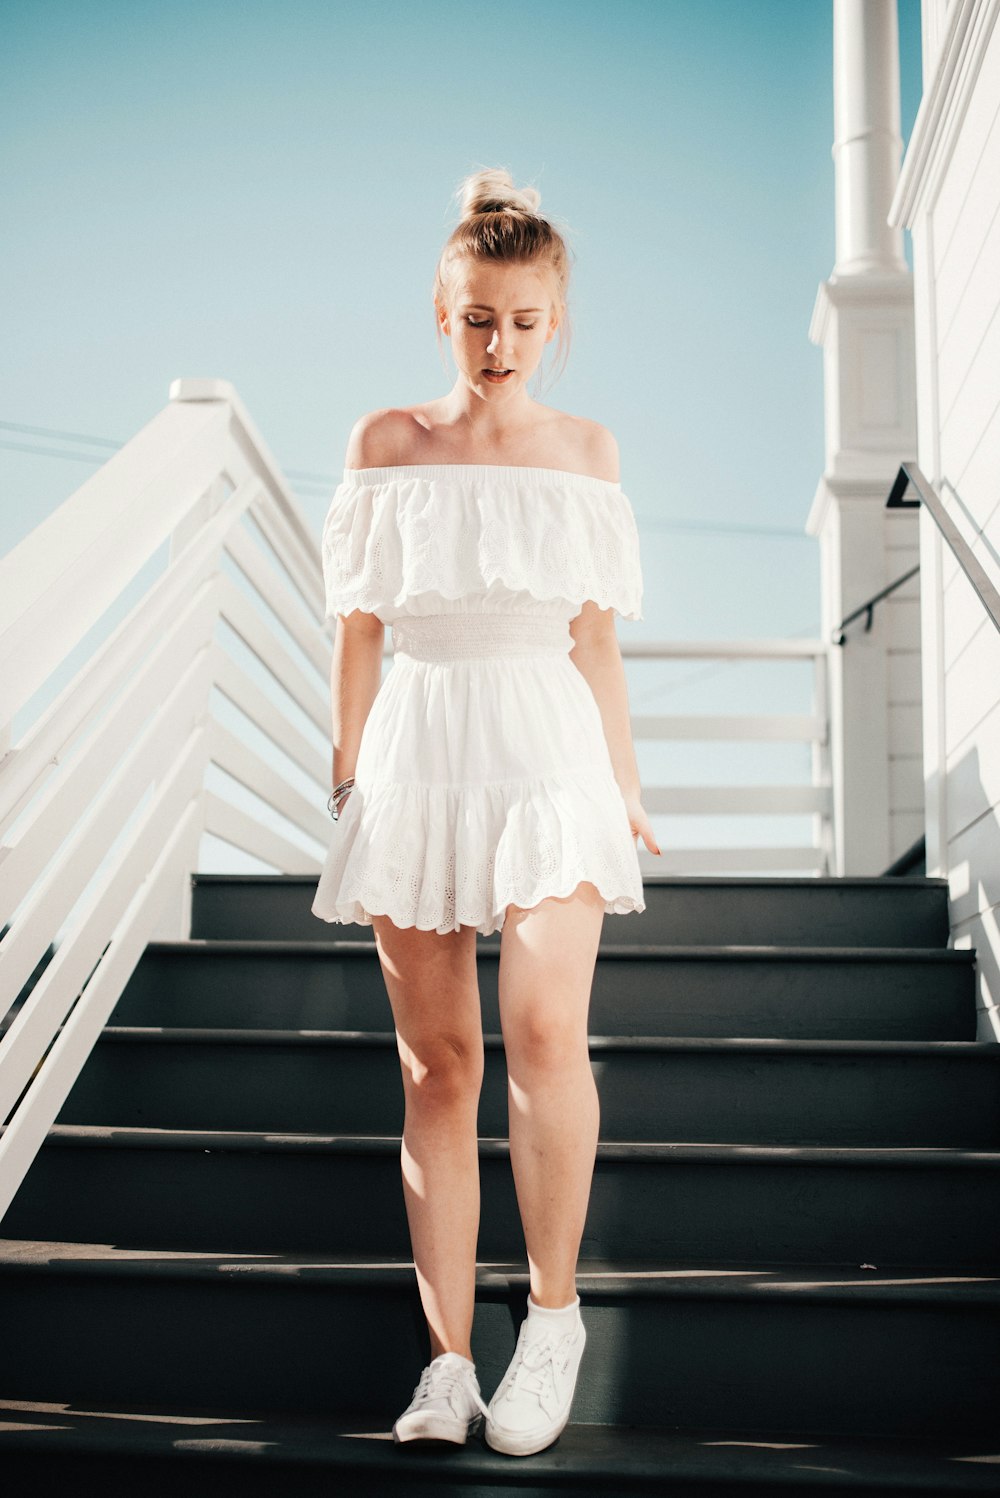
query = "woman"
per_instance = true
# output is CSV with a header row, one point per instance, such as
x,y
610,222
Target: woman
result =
x,y
489,783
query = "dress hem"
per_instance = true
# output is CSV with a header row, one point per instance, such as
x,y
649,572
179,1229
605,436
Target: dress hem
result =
x,y
355,912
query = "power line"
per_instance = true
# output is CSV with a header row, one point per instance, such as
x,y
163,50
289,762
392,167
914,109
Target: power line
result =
x,y
17,426
51,452
306,475
309,479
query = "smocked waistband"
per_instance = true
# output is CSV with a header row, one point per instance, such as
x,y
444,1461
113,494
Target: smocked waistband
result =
x,y
433,637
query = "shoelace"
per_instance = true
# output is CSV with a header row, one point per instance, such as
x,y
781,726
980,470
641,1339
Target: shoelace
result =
x,y
534,1369
440,1380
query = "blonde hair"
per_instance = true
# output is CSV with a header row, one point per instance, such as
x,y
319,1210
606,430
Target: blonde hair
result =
x,y
501,222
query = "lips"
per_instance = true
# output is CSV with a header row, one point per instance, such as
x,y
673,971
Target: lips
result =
x,y
497,374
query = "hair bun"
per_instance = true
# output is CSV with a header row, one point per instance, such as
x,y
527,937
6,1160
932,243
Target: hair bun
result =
x,y
492,189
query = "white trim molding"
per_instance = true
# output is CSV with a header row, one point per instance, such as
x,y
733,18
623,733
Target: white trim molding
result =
x,y
943,106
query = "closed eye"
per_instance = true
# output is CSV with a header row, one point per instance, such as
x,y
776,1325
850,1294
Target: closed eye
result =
x,y
525,327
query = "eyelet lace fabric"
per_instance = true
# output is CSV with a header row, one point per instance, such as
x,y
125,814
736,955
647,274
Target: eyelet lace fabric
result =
x,y
454,530
483,777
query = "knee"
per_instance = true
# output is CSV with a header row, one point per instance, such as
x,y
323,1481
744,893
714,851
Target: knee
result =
x,y
444,1072
544,1042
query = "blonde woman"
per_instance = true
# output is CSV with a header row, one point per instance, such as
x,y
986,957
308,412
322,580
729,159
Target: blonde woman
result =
x,y
488,783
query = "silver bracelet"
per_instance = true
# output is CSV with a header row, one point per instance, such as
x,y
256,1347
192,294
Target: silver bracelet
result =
x,y
339,792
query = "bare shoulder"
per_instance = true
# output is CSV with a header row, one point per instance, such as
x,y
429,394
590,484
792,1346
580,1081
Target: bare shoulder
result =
x,y
380,439
594,448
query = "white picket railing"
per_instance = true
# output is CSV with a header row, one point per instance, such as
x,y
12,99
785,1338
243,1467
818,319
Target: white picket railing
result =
x,y
812,797
104,800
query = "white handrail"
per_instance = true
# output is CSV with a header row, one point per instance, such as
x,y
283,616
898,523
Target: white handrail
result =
x,y
103,799
106,795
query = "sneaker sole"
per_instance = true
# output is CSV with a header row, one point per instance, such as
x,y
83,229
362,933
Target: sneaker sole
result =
x,y
433,1428
523,1445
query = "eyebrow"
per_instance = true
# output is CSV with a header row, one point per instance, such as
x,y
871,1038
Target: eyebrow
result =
x,y
482,307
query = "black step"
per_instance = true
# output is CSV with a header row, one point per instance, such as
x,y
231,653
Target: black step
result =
x,y
794,993
160,1450
270,1193
699,1090
683,910
768,1348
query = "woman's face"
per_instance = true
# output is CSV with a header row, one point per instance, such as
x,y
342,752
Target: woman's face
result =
x,y
500,317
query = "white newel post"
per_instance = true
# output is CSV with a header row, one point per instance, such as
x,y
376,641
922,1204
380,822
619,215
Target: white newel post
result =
x,y
863,320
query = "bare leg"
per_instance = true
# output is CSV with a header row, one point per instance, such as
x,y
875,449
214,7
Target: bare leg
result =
x,y
547,957
431,980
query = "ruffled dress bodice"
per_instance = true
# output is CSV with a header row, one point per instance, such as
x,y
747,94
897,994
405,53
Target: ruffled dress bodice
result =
x,y
466,538
483,776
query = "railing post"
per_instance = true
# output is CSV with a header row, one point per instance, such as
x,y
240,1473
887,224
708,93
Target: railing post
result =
x,y
823,824
853,567
863,320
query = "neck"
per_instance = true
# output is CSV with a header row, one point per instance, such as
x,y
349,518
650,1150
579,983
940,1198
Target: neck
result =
x,y
489,423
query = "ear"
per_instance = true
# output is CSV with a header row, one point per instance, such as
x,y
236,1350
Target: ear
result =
x,y
443,319
553,325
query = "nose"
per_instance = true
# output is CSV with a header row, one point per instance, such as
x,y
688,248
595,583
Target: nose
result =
x,y
494,344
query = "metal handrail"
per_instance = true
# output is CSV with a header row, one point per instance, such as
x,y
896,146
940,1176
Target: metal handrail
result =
x,y
909,474
839,638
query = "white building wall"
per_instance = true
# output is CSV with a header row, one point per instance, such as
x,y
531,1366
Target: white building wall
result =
x,y
949,196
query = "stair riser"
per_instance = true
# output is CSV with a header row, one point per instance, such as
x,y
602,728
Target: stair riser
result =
x,y
754,913
701,1097
792,999
346,1202
240,1475
759,1365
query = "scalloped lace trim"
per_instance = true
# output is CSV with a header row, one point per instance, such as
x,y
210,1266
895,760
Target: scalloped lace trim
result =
x,y
439,857
386,542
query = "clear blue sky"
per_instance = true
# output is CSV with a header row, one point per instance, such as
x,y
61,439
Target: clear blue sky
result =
x,y
259,191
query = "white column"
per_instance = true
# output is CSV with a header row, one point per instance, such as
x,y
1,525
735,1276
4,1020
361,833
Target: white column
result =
x,y
867,144
863,320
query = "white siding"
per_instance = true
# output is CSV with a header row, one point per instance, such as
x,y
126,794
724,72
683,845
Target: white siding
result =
x,y
902,633
956,229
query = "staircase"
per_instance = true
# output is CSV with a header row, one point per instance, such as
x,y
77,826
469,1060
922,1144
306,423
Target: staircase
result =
x,y
789,1274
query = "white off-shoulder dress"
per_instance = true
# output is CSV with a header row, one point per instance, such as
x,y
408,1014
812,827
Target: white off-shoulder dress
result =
x,y
483,777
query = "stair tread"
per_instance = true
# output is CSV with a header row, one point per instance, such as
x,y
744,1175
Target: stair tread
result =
x,y
966,1050
130,1136
672,881
585,1456
678,1279
622,951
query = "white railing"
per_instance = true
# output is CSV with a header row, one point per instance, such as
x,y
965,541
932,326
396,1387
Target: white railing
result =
x,y
105,798
810,797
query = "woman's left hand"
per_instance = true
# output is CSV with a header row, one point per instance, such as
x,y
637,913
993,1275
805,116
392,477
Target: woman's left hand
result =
x,y
639,823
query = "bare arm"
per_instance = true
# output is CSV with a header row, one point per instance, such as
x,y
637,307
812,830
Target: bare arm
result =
x,y
597,656
359,642
355,677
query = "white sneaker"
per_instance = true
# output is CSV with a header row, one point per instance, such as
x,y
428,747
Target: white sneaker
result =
x,y
446,1403
531,1405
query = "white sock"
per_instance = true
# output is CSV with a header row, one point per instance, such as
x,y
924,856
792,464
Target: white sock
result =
x,y
554,1313
470,1361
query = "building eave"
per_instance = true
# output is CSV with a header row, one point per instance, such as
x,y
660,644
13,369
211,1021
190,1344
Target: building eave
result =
x,y
943,107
